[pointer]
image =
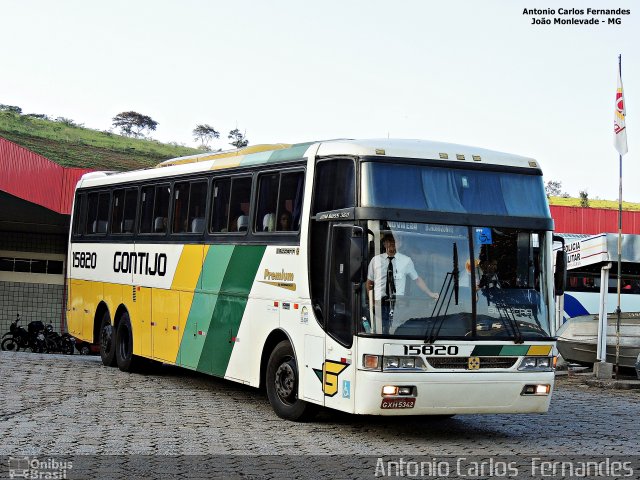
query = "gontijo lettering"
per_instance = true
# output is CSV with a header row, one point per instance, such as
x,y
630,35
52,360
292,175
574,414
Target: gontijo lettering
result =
x,y
140,262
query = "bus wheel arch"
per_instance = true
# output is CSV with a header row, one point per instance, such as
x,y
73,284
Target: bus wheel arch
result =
x,y
282,380
105,335
274,338
101,309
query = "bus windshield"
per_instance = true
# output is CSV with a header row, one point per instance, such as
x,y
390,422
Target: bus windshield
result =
x,y
435,281
453,190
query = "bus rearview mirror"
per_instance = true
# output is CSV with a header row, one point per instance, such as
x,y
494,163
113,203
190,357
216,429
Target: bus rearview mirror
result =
x,y
560,275
355,260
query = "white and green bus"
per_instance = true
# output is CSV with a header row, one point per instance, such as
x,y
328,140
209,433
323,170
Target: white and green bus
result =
x,y
269,266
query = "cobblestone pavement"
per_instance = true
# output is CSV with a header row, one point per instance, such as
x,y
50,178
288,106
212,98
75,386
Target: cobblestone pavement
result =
x,y
57,405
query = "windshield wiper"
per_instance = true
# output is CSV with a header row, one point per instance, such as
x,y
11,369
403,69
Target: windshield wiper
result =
x,y
451,277
507,317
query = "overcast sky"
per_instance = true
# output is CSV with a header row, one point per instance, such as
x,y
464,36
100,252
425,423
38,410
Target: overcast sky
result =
x,y
472,72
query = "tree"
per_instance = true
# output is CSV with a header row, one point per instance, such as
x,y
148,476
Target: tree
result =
x,y
10,108
553,188
584,198
238,138
205,133
132,124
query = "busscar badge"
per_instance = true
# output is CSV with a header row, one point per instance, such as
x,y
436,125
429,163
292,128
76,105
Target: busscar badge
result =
x,y
473,363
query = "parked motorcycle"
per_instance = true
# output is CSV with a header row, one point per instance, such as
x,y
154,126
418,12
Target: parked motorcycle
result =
x,y
37,337
17,337
56,343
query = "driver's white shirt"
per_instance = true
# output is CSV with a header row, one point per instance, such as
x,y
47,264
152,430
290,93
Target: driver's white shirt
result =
x,y
402,266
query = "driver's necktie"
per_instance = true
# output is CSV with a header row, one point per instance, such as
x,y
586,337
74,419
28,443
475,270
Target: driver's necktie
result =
x,y
390,288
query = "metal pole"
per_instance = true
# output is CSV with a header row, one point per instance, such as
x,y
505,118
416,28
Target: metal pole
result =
x,y
618,311
601,352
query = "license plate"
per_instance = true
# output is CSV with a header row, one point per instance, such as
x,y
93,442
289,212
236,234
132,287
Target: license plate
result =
x,y
395,402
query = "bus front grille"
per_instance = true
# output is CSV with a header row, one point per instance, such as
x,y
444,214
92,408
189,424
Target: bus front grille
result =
x,y
462,363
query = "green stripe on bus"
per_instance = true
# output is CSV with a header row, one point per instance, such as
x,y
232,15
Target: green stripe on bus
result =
x,y
294,152
204,302
514,350
229,308
486,351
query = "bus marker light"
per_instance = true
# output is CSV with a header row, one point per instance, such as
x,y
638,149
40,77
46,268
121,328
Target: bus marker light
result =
x,y
389,390
295,306
275,304
371,362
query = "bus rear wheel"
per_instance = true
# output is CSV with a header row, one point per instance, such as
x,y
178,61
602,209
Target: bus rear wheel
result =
x,y
127,361
107,341
282,382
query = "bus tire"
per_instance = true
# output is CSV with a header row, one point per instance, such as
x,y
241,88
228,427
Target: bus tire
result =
x,y
107,341
282,380
127,361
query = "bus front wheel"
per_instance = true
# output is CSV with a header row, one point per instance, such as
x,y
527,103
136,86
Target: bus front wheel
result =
x,y
282,381
107,341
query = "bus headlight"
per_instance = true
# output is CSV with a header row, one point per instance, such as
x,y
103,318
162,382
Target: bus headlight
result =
x,y
537,364
402,363
392,363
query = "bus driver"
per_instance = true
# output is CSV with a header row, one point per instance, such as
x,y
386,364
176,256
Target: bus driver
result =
x,y
386,277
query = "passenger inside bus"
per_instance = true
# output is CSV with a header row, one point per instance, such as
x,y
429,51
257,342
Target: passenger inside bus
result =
x,y
284,221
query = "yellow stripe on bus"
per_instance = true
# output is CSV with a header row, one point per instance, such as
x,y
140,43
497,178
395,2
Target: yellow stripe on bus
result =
x,y
543,350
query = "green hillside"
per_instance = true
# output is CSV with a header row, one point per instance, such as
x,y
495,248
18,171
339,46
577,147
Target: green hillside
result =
x,y
73,146
610,204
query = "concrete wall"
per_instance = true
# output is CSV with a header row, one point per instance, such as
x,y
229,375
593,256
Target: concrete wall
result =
x,y
33,296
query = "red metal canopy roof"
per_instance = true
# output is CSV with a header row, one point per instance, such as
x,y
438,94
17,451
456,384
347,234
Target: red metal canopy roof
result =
x,y
34,178
593,220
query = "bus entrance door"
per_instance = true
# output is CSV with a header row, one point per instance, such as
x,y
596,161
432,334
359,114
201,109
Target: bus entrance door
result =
x,y
338,368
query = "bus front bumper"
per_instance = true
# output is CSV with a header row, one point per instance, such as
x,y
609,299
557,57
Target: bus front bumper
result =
x,y
452,393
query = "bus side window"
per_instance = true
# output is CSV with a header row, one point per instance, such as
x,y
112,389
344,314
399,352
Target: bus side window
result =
x,y
188,207
239,204
80,215
117,210
129,210
161,208
97,213
280,202
220,207
267,202
146,211
289,211
197,205
180,207
334,185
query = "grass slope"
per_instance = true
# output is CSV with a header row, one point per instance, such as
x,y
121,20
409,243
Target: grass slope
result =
x,y
72,146
609,204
